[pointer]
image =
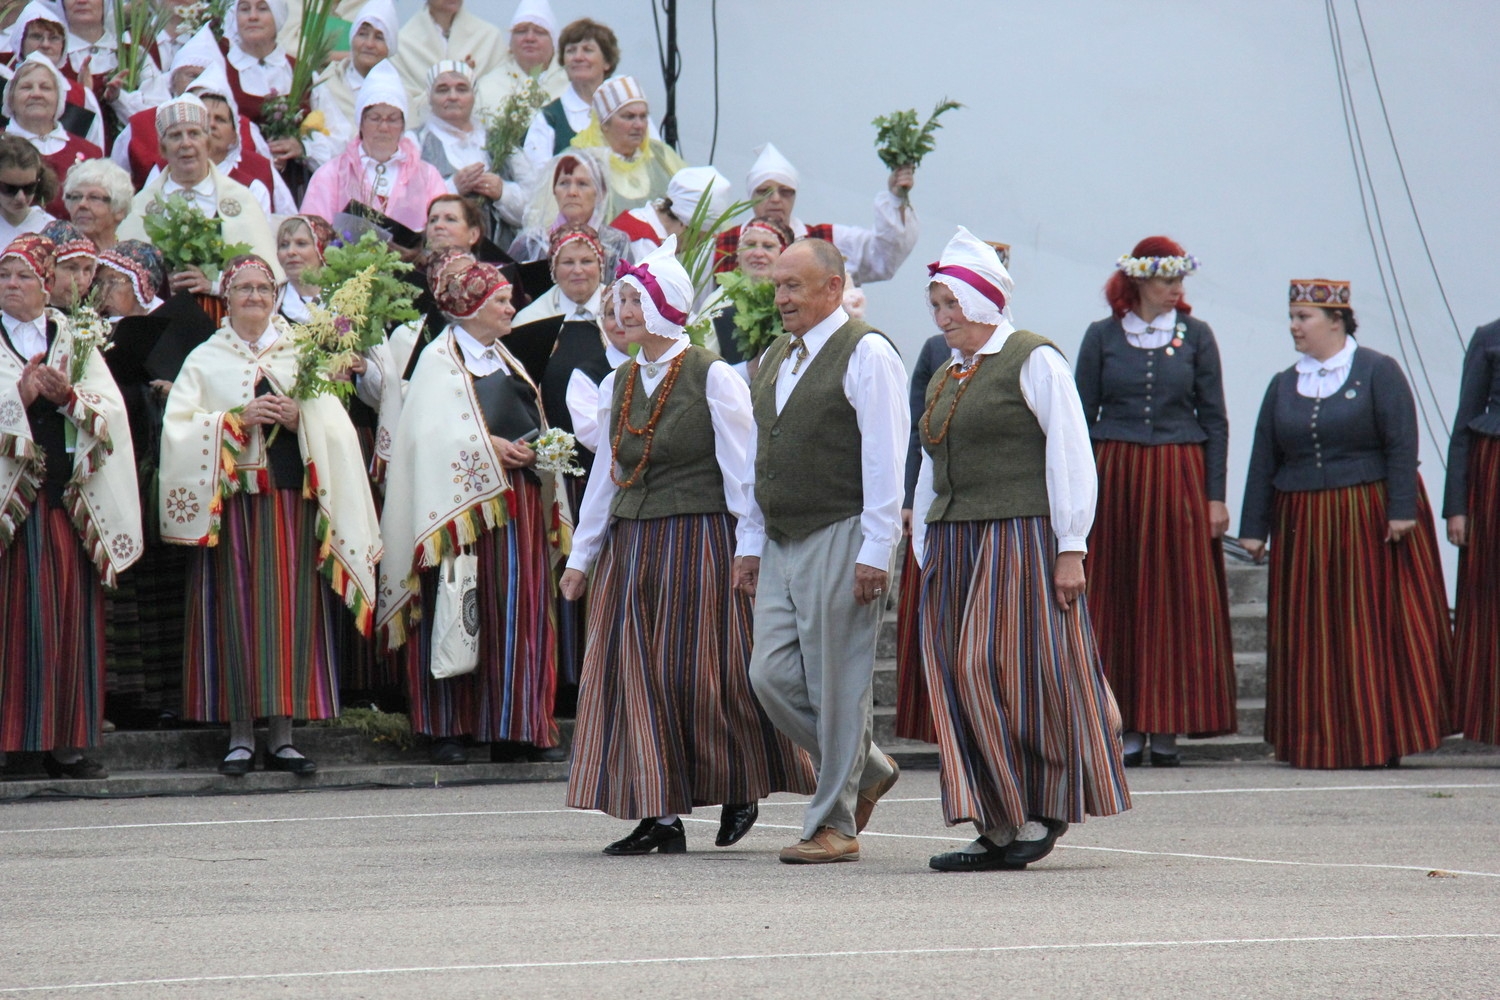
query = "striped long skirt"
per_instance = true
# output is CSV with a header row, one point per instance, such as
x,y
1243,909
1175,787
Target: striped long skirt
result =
x,y
1026,725
1157,592
1476,636
913,707
509,696
1359,650
261,616
666,716
51,636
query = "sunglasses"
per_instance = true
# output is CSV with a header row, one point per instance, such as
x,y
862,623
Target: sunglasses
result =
x,y
11,190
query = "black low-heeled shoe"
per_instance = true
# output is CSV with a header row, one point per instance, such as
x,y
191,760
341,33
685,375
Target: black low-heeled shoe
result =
x,y
735,821
80,769
1133,758
237,767
648,836
1025,852
1165,759
993,859
291,765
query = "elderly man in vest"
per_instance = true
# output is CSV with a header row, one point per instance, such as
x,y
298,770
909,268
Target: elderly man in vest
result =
x,y
826,467
182,125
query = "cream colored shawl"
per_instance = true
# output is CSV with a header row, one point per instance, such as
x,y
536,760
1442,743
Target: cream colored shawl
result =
x,y
208,453
445,486
422,45
392,358
243,221
102,496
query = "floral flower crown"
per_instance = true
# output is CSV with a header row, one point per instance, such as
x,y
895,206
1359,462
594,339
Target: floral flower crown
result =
x,y
1157,267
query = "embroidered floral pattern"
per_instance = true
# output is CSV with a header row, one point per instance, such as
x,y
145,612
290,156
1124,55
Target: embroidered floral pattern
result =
x,y
383,441
182,505
123,546
11,413
471,471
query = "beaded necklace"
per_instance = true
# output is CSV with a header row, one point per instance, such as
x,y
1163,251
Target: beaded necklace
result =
x,y
963,374
649,431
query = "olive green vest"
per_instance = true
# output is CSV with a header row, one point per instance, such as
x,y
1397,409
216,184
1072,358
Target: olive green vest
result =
x,y
808,473
683,474
992,462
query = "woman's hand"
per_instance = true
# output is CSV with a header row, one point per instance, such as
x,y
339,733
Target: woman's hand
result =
x,y
1397,530
513,455
1067,578
1218,518
901,181
161,387
113,88
358,366
1458,530
191,279
27,382
573,584
259,411
746,572
1255,548
286,150
50,383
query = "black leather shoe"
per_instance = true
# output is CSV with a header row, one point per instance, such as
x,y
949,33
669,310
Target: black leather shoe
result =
x,y
517,752
735,821
652,836
238,767
993,859
82,768
1133,758
447,751
546,755
1166,759
291,765
1024,852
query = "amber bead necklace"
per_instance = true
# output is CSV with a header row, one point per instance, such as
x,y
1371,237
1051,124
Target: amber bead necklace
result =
x,y
649,431
963,375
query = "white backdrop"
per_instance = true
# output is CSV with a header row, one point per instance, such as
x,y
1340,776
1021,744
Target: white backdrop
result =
x,y
1092,123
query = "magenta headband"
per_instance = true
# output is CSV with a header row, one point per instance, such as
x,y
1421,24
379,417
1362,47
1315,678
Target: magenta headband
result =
x,y
971,278
642,273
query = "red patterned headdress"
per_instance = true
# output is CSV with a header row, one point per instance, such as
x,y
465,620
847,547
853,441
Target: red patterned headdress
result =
x,y
462,290
1325,293
38,253
243,263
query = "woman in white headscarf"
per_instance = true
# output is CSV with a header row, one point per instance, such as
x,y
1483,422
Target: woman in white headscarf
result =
x,y
372,37
648,225
571,191
531,55
445,29
92,58
666,717
40,28
1026,726
34,101
257,65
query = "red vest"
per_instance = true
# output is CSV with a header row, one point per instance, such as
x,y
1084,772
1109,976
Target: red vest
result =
x,y
145,147
76,151
636,229
250,104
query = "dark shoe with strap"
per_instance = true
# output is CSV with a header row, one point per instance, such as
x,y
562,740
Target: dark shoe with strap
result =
x,y
1024,852
237,767
648,836
735,821
81,769
993,859
299,765
1165,759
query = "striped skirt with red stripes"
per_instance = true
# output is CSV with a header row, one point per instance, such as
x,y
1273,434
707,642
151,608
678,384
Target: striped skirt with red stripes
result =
x,y
666,717
260,616
51,636
1359,651
913,707
1476,636
1157,592
509,696
1026,724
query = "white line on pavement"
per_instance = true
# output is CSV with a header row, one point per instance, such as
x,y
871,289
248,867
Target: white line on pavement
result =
x,y
771,957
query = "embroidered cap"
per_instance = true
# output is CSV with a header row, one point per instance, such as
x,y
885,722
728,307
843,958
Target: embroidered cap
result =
x,y
187,109
37,252
69,241
322,231
246,262
140,262
442,66
614,94
564,235
463,287
1325,293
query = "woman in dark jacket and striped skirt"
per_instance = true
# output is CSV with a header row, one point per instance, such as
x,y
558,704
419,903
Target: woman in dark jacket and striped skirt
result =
x,y
1472,507
666,717
1027,729
1359,648
1153,394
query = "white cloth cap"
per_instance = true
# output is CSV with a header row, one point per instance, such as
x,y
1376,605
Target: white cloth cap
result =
x,y
232,22
970,252
613,94
686,190
538,12
770,165
381,14
38,59
675,286
382,86
34,11
214,81
202,50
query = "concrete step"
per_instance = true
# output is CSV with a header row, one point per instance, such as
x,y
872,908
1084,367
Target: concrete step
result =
x,y
1250,674
1247,627
885,681
1247,583
1252,716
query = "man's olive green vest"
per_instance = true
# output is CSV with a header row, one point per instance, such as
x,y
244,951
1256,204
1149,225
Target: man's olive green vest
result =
x,y
992,462
683,474
808,472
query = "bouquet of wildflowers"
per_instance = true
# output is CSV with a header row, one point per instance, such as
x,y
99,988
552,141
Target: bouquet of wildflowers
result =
x,y
505,128
282,115
192,17
90,331
188,238
557,451
335,337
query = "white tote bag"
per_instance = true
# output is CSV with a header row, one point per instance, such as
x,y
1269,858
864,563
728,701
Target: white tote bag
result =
x,y
455,621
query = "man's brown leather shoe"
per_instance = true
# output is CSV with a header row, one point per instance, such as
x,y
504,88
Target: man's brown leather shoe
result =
x,y
865,804
827,845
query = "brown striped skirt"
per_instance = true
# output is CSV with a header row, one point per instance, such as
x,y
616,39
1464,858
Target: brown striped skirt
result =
x,y
509,696
913,707
1026,724
1476,636
1359,648
260,616
1157,593
51,636
666,717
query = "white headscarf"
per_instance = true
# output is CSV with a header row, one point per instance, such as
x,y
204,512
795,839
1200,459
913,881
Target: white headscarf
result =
x,y
688,187
215,82
984,277
382,15
538,12
35,11
673,286
770,165
232,20
37,58
202,51
382,86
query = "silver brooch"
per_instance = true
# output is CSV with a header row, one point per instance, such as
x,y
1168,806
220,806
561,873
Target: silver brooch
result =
x,y
1350,394
229,207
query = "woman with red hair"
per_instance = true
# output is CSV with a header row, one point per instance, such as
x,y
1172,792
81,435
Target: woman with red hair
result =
x,y
1153,393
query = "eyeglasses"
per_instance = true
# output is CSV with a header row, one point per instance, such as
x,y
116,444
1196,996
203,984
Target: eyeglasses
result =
x,y
391,121
11,190
75,197
246,291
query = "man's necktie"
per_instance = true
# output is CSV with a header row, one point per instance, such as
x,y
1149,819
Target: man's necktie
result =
x,y
800,354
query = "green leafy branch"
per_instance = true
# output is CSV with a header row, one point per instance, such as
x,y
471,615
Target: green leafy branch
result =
x,y
188,238
901,142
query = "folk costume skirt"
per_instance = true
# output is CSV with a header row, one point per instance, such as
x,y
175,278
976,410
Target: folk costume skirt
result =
x,y
509,696
1359,652
913,707
51,636
572,616
1476,637
1026,725
1157,593
666,717
261,616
